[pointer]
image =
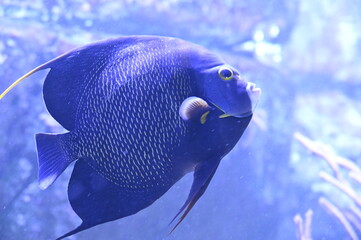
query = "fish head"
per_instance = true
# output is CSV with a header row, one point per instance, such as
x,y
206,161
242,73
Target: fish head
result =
x,y
219,83
224,87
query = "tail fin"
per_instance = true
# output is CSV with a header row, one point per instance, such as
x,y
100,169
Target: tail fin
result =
x,y
52,158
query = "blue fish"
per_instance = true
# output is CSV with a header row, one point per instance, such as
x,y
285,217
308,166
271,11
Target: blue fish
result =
x,y
140,112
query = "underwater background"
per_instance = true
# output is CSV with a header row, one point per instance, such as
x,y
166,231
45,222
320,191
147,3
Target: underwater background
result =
x,y
295,173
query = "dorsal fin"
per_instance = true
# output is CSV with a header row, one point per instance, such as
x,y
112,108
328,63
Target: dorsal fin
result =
x,y
69,75
66,81
90,74
38,68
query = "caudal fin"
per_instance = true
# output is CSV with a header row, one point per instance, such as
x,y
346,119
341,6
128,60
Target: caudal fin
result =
x,y
52,158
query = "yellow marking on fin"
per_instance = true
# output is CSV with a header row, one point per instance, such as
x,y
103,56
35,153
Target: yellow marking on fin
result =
x,y
41,67
224,115
204,117
20,79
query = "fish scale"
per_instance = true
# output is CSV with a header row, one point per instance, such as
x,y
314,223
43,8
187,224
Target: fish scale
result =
x,y
111,120
141,111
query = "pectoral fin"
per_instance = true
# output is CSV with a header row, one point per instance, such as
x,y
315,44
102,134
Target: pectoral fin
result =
x,y
194,108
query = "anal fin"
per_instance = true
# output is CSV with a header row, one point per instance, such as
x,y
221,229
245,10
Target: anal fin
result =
x,y
97,200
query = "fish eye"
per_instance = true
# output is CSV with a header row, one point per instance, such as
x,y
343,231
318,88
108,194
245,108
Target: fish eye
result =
x,y
225,73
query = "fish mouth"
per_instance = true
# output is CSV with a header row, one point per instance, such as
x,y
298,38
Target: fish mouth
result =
x,y
254,94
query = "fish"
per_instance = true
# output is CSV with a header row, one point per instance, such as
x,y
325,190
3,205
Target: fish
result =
x,y
139,112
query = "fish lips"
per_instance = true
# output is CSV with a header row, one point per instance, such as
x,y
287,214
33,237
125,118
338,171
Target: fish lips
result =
x,y
254,93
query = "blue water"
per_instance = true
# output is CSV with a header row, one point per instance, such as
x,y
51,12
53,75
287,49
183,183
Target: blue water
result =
x,y
305,55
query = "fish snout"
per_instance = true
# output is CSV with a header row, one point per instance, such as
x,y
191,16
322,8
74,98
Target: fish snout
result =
x,y
254,94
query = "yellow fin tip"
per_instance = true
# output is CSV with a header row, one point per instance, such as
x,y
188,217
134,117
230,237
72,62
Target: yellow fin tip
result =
x,y
19,80
224,115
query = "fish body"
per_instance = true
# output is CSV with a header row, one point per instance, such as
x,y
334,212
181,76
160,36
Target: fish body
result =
x,y
124,102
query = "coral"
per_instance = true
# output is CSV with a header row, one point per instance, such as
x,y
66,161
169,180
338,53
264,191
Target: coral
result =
x,y
303,226
345,177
